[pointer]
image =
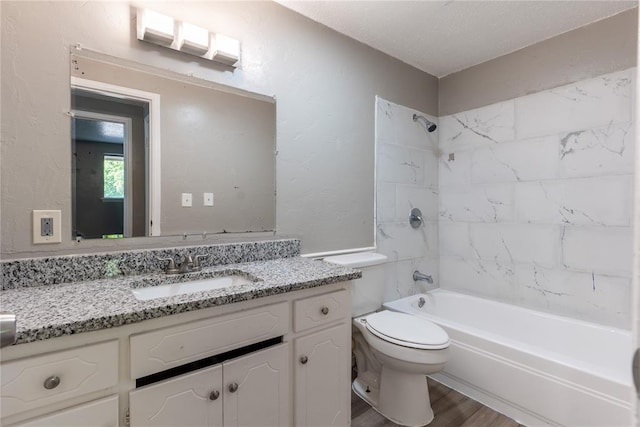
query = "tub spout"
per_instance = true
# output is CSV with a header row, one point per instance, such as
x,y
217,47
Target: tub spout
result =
x,y
419,276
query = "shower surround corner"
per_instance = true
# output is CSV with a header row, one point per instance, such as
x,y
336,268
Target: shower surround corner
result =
x,y
406,178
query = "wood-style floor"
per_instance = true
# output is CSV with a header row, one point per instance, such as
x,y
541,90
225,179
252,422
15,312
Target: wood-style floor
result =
x,y
451,409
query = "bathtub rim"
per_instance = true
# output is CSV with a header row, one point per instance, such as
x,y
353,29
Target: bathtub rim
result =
x,y
619,387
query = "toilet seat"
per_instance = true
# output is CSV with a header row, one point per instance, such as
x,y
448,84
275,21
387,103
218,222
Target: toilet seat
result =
x,y
406,330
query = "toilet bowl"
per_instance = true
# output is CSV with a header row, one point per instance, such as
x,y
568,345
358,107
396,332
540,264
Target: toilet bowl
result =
x,y
394,351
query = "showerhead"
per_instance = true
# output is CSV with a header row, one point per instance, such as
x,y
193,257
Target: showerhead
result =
x,y
428,124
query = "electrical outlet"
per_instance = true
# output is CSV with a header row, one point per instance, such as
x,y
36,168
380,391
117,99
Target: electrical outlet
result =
x,y
208,199
187,200
47,227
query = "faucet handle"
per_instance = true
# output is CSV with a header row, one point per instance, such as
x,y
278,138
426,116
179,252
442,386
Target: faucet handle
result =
x,y
196,262
171,266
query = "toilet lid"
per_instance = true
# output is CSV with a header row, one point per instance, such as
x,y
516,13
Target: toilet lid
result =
x,y
406,330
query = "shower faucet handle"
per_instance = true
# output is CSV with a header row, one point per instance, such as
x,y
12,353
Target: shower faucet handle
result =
x,y
415,218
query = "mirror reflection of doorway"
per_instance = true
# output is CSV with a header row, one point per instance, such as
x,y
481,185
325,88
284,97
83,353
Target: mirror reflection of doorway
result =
x,y
109,170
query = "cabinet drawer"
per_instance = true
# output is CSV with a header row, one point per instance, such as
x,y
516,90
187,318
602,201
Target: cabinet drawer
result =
x,y
99,413
321,309
77,372
174,346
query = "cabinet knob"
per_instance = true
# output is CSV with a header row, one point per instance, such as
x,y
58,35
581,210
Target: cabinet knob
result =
x,y
324,310
214,395
304,360
52,382
233,387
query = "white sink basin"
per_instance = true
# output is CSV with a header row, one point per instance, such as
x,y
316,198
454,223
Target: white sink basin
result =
x,y
164,291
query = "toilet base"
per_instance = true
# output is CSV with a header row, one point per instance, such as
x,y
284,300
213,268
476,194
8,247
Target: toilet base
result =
x,y
407,402
366,392
404,397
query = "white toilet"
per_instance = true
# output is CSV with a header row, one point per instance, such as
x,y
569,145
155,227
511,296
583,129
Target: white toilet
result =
x,y
394,351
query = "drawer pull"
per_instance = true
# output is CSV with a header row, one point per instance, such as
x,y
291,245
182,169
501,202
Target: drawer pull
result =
x,y
304,360
233,387
214,395
324,310
52,382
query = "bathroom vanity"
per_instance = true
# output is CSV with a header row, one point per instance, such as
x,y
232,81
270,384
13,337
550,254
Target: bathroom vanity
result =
x,y
272,353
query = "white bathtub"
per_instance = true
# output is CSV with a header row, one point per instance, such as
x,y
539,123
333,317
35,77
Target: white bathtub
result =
x,y
537,368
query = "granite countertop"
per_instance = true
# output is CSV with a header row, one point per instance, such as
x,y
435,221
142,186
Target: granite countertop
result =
x,y
50,311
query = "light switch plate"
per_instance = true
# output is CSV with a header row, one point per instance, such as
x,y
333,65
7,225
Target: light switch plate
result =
x,y
208,199
47,227
187,200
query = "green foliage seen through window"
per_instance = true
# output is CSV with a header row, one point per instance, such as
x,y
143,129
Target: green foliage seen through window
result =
x,y
113,177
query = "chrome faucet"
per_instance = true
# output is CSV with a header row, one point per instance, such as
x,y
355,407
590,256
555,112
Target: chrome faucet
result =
x,y
188,265
171,266
419,276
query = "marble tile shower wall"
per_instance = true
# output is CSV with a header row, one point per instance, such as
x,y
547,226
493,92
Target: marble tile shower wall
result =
x,y
536,200
406,177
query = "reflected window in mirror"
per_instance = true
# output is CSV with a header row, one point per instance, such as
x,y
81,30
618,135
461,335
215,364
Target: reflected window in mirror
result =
x,y
113,177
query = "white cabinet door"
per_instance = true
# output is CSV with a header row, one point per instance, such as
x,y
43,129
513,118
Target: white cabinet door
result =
x,y
256,389
99,413
187,400
322,378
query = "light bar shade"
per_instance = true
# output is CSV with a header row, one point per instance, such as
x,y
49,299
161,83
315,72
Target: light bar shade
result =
x,y
226,50
155,27
195,40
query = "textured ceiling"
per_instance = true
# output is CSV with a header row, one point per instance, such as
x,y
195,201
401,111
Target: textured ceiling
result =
x,y
442,37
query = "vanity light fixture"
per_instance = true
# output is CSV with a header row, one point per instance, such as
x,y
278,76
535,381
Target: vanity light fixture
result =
x,y
185,37
155,27
195,40
226,50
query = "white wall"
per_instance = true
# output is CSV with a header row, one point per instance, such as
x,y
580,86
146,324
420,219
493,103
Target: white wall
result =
x,y
406,178
325,85
535,208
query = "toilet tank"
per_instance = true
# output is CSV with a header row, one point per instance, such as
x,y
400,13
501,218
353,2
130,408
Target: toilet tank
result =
x,y
367,292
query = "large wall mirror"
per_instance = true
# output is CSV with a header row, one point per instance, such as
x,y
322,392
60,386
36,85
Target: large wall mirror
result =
x,y
155,153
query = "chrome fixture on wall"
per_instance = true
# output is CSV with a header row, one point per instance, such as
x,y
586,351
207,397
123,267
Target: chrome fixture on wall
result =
x,y
428,124
415,218
420,276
